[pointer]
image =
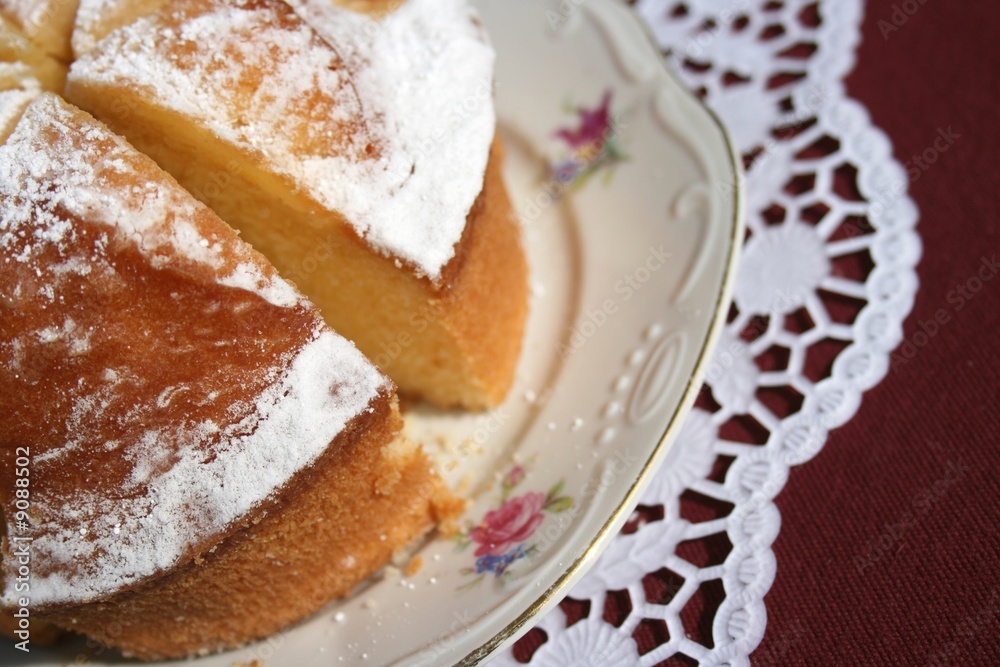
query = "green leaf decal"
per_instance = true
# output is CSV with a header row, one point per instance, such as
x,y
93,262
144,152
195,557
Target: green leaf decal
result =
x,y
559,504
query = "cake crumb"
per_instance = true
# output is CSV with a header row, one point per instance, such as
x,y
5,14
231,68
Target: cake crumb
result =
x,y
415,564
448,528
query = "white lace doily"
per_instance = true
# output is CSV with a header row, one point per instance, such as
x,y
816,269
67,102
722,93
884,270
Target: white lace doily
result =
x,y
826,280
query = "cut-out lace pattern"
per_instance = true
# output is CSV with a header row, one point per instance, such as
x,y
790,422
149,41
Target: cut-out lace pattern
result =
x,y
826,279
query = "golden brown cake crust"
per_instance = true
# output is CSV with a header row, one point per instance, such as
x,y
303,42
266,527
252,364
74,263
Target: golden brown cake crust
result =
x,y
485,302
317,543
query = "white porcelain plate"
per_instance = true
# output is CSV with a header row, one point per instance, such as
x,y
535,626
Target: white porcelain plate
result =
x,y
629,195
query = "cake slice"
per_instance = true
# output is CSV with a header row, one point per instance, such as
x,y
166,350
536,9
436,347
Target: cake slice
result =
x,y
359,155
208,461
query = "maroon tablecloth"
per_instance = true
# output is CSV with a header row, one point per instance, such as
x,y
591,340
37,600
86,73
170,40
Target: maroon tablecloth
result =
x,y
889,551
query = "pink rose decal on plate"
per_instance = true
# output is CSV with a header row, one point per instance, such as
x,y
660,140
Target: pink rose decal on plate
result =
x,y
503,536
515,521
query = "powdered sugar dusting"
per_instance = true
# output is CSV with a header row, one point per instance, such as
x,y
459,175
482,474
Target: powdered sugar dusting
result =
x,y
12,105
157,215
248,276
149,528
91,21
428,71
387,121
77,341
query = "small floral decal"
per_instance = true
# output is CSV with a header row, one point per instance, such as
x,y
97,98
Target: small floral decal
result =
x,y
503,537
593,146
